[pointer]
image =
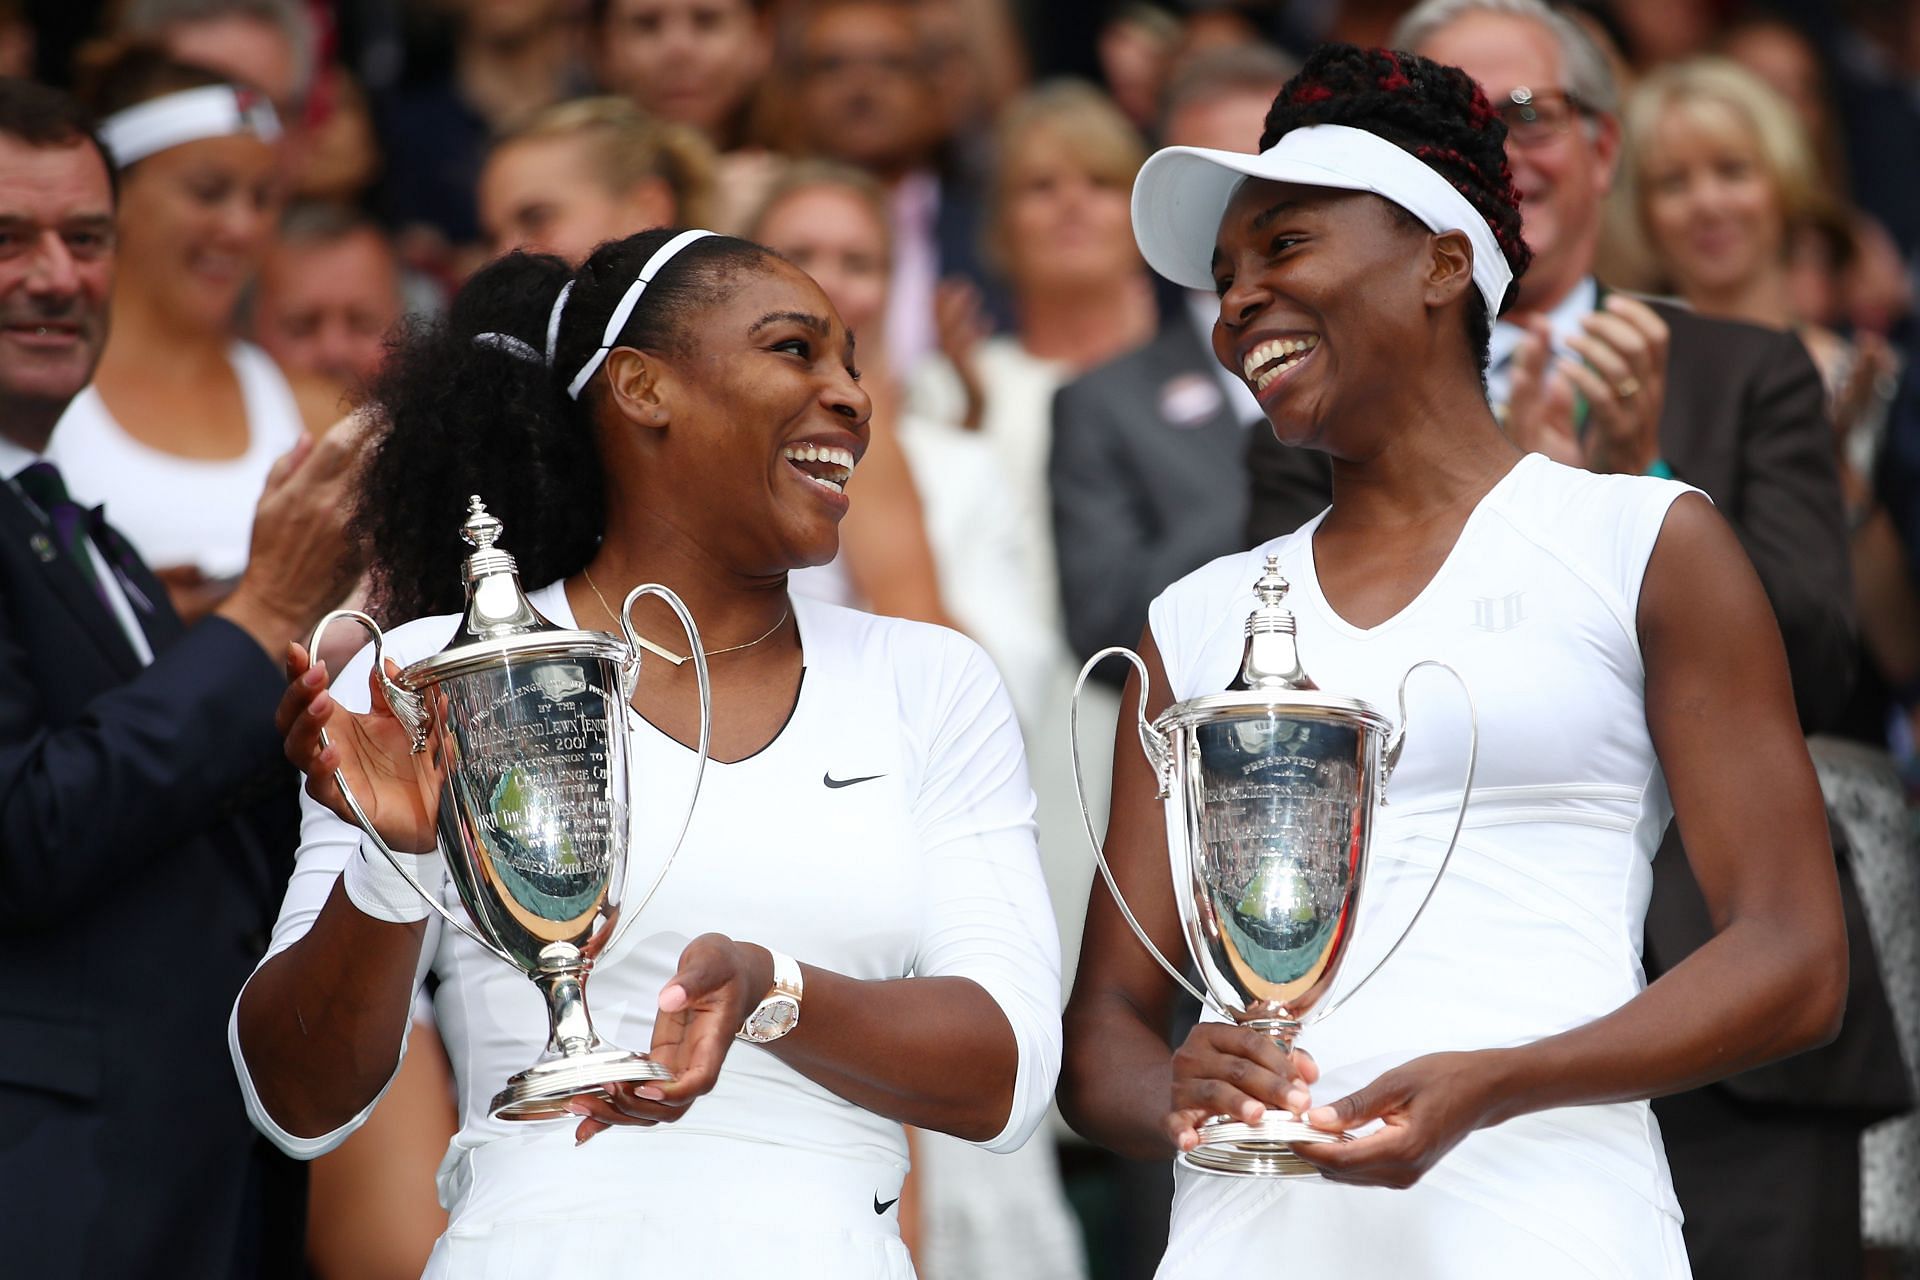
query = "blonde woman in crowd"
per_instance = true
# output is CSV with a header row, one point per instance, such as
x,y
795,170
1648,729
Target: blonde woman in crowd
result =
x,y
594,169
1058,228
183,419
975,1213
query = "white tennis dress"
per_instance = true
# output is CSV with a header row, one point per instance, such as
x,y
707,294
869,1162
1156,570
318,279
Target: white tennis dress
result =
x,y
1537,926
175,510
920,861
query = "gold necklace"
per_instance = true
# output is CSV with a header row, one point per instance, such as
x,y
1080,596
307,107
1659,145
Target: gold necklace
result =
x,y
668,654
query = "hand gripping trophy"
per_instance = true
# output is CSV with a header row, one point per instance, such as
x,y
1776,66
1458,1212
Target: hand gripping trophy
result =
x,y
1270,790
520,739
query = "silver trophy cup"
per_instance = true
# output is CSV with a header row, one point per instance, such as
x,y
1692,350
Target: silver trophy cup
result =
x,y
520,740
1270,790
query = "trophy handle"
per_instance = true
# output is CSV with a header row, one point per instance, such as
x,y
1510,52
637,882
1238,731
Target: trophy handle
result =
x,y
1161,758
630,678
410,709
1459,818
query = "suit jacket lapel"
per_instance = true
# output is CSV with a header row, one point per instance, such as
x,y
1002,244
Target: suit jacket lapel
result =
x,y
151,604
1179,350
23,525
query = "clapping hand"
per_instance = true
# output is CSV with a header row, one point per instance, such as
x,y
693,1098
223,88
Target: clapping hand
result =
x,y
1425,1107
1227,1070
1622,375
717,984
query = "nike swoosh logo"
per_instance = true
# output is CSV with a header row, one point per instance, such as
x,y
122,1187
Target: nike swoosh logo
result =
x,y
837,783
877,1206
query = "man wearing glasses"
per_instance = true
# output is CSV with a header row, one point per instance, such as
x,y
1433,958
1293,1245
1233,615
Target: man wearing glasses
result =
x,y
1766,1164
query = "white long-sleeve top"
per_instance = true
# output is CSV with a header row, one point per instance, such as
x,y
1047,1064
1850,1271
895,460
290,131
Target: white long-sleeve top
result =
x,y
927,868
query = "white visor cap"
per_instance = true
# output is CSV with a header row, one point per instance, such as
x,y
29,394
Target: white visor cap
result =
x,y
1182,192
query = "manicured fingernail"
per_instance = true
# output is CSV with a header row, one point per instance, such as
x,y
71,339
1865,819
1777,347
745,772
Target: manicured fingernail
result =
x,y
1298,1100
1322,1116
319,705
578,1108
653,1093
312,676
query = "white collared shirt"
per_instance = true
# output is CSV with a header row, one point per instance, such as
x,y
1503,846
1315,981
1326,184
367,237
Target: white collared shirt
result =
x,y
15,458
1564,320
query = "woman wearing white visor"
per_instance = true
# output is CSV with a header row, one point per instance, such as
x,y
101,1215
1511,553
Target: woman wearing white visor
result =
x,y
1619,650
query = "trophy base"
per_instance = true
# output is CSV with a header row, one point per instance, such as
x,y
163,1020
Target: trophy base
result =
x,y
1233,1149
542,1091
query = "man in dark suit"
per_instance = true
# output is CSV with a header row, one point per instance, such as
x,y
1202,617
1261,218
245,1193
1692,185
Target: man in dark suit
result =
x,y
1766,1164
1148,467
146,818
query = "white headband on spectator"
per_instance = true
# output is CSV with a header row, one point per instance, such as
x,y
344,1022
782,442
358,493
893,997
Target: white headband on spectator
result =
x,y
1182,192
215,111
631,299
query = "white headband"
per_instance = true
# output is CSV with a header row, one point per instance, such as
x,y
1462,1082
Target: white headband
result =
x,y
216,111
631,299
1181,193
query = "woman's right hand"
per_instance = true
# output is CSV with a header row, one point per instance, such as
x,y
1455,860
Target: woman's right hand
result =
x,y
1227,1070
373,751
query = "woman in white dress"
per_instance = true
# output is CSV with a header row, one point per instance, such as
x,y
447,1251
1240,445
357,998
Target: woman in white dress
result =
x,y
865,832
1619,650
183,419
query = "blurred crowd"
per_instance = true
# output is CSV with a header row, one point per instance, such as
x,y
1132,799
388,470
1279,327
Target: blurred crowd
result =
x,y
1053,443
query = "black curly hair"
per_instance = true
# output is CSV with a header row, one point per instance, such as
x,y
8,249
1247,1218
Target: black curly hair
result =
x,y
460,417
1435,112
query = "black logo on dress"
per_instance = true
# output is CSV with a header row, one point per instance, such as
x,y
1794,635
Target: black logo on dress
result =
x,y
837,783
877,1206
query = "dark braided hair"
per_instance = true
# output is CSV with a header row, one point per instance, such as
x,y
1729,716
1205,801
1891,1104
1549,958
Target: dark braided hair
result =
x,y
1435,112
459,417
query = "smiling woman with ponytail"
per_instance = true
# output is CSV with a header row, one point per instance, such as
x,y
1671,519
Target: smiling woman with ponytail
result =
x,y
685,409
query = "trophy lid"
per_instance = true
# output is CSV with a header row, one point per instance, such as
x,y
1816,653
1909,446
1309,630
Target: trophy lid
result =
x,y
1271,658
500,623
1271,677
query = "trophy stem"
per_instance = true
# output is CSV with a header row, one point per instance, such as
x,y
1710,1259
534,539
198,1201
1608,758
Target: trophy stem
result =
x,y
570,1028
577,1062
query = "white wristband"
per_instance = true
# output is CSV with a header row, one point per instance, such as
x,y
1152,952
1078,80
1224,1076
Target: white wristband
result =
x,y
377,889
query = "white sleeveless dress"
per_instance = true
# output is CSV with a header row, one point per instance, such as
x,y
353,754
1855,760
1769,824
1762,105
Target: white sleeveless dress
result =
x,y
181,511
1537,927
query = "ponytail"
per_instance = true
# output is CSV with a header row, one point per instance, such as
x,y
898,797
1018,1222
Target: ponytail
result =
x,y
467,405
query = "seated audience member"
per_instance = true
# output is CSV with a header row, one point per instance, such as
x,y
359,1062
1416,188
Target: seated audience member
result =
x,y
700,64
146,823
1148,473
1060,231
268,44
861,96
329,294
584,172
1722,177
690,62
507,61
1599,380
183,419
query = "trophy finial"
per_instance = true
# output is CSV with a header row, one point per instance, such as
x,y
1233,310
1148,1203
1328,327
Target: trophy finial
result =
x,y
496,606
482,528
1271,660
1271,589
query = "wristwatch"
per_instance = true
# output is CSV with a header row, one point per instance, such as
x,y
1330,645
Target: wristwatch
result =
x,y
779,1013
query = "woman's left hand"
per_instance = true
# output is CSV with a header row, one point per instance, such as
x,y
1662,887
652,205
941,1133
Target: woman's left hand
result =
x,y
718,983
1427,1106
